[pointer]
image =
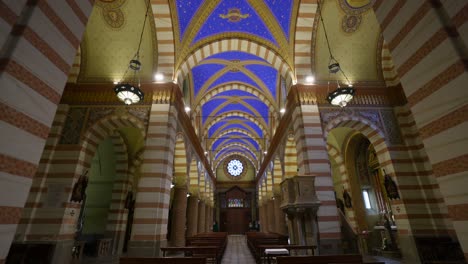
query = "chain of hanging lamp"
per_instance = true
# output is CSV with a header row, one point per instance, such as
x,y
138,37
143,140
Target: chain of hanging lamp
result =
x,y
130,93
341,96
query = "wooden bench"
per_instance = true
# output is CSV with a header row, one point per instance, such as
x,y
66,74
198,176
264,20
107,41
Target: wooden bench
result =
x,y
325,259
211,254
162,261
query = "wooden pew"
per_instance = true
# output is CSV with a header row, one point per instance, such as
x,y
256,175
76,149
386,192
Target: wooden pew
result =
x,y
162,261
257,242
211,254
324,259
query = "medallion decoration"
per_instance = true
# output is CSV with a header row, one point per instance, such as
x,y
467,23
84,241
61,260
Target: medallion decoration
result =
x,y
234,15
350,23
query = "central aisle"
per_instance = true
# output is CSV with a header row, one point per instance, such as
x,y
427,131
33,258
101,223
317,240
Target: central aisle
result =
x,y
237,251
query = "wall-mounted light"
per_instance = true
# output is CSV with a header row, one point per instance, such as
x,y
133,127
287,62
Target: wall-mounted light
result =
x,y
187,109
158,77
282,110
310,79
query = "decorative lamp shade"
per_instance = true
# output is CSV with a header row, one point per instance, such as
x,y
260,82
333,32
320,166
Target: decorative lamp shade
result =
x,y
341,96
128,93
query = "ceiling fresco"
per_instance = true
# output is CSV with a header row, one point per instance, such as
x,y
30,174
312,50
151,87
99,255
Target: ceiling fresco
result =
x,y
235,58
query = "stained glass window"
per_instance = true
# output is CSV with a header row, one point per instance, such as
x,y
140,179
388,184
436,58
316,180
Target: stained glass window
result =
x,y
235,203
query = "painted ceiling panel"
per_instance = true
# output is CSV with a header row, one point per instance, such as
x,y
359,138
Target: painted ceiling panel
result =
x,y
267,74
234,16
210,106
234,76
202,73
261,108
185,11
282,10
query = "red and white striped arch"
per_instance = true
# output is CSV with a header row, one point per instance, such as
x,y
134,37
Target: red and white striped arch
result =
x,y
303,40
234,44
335,154
269,101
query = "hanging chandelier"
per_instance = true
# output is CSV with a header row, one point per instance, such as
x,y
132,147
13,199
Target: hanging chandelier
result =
x,y
341,96
130,92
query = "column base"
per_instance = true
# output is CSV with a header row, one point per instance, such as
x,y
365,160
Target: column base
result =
x,y
146,248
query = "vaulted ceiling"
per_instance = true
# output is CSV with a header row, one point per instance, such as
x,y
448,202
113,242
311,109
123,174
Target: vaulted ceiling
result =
x,y
234,59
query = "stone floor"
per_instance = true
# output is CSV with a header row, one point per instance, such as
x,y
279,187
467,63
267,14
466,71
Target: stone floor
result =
x,y
237,251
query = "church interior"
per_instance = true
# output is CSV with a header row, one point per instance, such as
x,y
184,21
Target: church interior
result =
x,y
298,128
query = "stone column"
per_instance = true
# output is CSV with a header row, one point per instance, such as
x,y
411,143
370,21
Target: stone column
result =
x,y
271,216
32,86
201,217
192,216
208,222
280,222
179,216
262,219
149,229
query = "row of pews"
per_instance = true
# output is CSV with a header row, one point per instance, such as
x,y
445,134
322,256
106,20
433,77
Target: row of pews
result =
x,y
258,243
201,248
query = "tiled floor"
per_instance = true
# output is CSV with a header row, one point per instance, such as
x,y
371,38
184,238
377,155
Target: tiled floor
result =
x,y
237,251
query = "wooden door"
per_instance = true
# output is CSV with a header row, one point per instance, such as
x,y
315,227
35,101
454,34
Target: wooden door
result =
x,y
237,220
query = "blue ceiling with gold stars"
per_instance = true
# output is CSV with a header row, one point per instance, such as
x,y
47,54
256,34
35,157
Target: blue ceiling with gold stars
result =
x,y
235,93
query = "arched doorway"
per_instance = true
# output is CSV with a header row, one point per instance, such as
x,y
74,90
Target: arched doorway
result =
x,y
235,214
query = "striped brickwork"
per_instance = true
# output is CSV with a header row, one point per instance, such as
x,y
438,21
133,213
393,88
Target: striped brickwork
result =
x,y
243,45
180,162
312,157
61,165
194,179
277,176
389,73
303,40
117,215
164,36
134,169
35,221
290,158
336,155
75,69
420,211
179,202
153,191
426,39
39,41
